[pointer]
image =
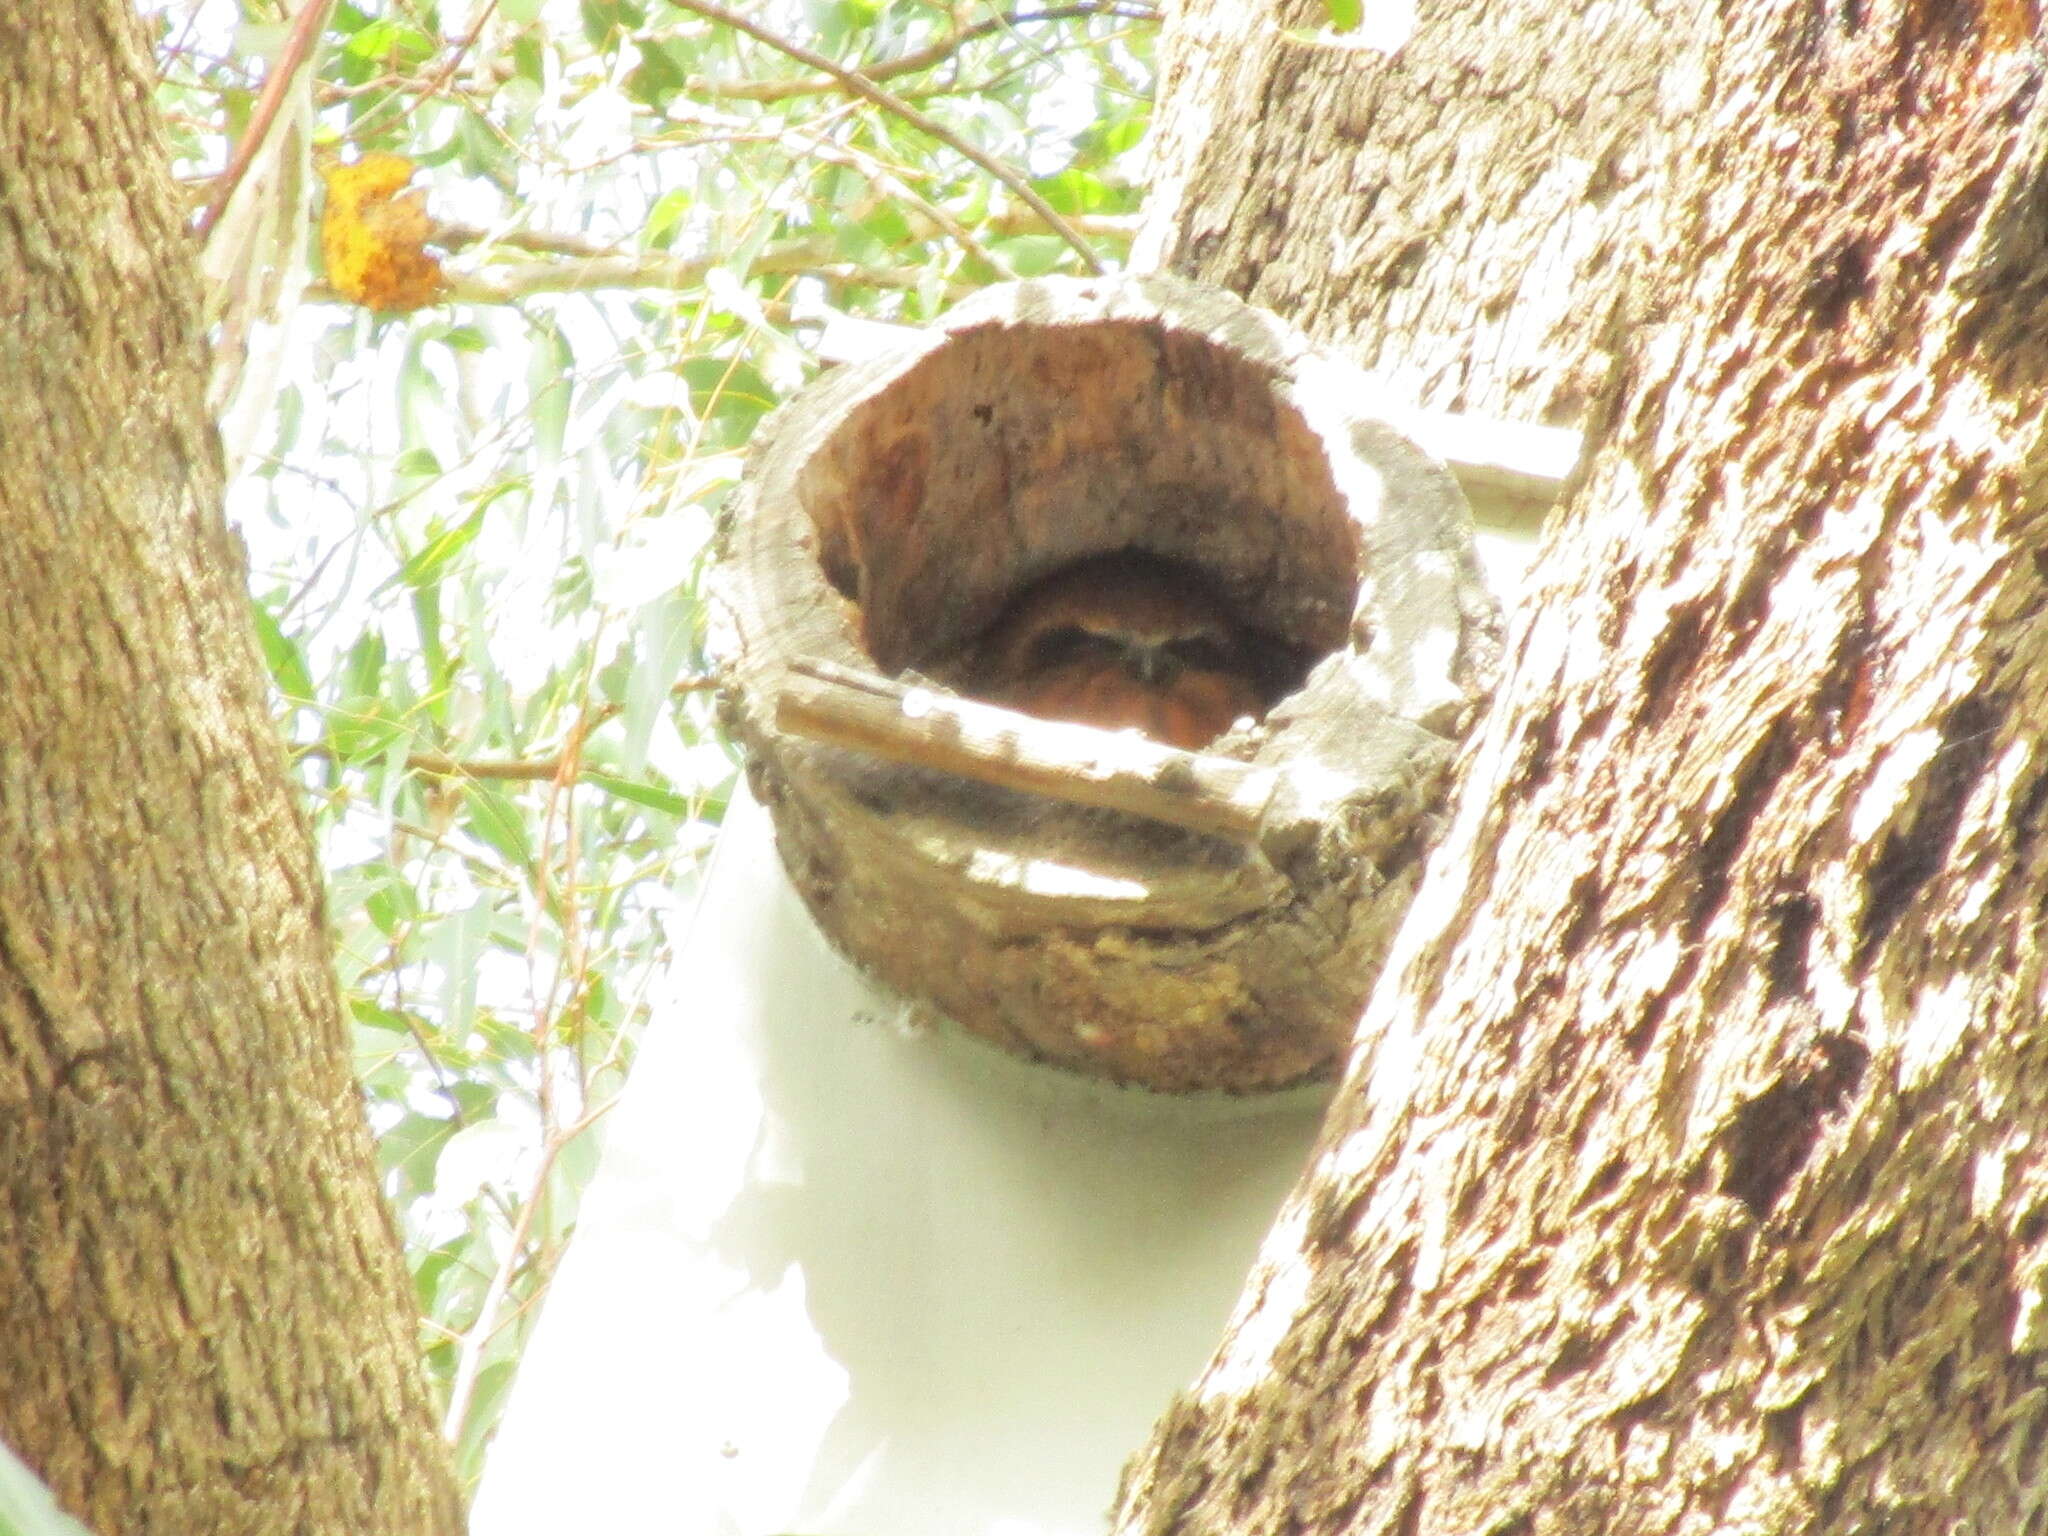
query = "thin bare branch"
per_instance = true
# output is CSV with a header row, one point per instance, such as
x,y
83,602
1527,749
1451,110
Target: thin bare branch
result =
x,y
298,48
858,83
936,52
518,769
890,184
458,237
800,258
469,1354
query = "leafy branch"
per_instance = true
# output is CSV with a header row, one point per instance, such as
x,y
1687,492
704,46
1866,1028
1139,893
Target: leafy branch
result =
x,y
918,59
858,83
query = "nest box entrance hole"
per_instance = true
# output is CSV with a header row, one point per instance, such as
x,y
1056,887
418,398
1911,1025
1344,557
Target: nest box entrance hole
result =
x,y
1032,509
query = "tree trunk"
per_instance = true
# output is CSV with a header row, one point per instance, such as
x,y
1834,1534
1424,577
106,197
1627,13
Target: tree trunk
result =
x,y
1692,1173
1458,215
203,1315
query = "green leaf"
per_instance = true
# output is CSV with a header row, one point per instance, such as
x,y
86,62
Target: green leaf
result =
x,y
551,381
373,1015
1345,15
410,1151
362,732
476,145
663,72
426,613
456,946
1110,137
575,1166
394,904
284,658
451,1280
664,218
1033,255
603,18
424,567
663,637
391,42
838,22
291,412
1073,191
731,393
362,672
885,229
494,819
504,1042
476,1101
421,400
636,793
529,62
486,1404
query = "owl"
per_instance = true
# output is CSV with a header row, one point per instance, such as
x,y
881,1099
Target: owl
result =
x,y
1126,641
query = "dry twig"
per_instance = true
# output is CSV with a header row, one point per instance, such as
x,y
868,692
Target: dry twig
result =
x,y
1077,764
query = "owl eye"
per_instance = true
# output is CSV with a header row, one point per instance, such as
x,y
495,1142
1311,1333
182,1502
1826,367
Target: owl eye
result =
x,y
1205,653
1067,643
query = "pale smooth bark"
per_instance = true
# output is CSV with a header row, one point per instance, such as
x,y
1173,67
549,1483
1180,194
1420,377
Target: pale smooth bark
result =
x,y
204,1321
1692,1173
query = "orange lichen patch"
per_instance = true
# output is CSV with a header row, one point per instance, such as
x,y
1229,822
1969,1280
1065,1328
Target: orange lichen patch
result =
x,y
2009,23
373,235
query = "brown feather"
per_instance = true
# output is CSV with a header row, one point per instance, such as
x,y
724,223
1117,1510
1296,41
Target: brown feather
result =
x,y
1127,642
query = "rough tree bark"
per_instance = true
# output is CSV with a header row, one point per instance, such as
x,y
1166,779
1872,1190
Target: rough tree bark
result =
x,y
1456,215
1692,1170
203,1317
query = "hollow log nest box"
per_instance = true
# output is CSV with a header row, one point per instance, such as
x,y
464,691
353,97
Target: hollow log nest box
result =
x,y
1025,560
